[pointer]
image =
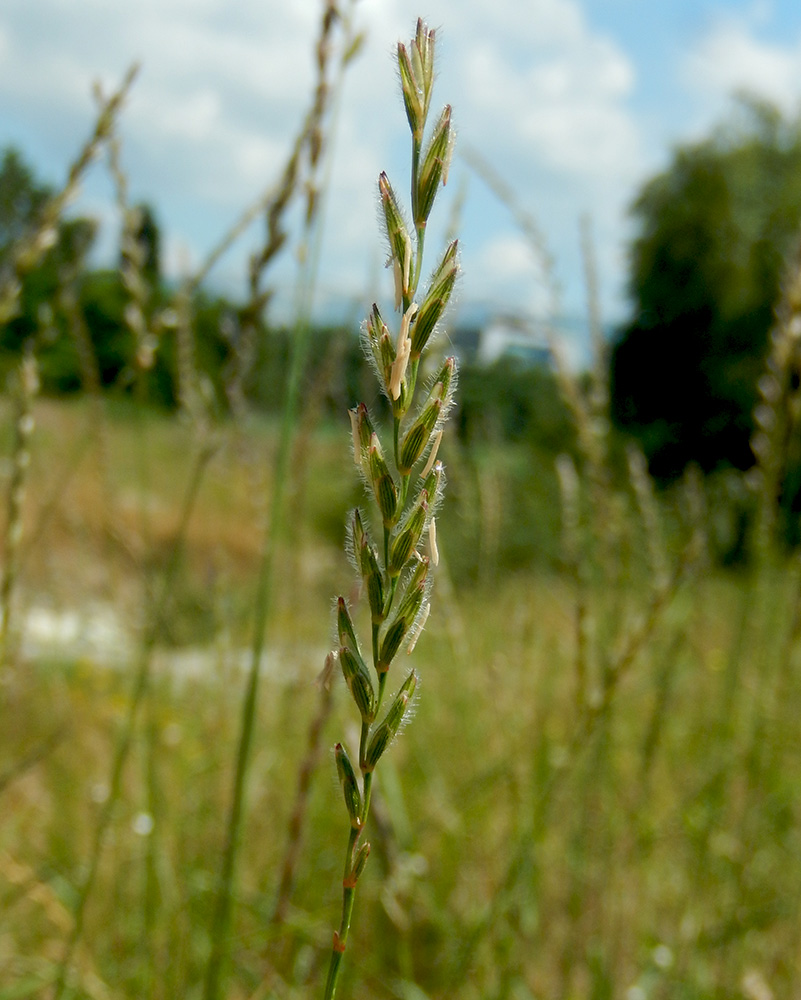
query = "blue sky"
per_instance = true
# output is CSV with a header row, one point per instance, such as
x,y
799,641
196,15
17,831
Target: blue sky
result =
x,y
574,102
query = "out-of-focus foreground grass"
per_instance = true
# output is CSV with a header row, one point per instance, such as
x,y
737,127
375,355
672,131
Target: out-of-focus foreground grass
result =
x,y
601,793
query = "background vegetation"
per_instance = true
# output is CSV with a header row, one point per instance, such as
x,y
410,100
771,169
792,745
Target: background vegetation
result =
x,y
600,794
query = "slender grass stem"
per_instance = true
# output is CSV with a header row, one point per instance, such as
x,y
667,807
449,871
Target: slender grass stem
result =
x,y
221,917
220,925
158,620
382,686
341,936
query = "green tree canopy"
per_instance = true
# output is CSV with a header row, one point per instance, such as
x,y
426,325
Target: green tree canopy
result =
x,y
712,233
22,198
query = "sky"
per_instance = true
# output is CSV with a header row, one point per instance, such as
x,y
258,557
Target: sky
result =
x,y
573,103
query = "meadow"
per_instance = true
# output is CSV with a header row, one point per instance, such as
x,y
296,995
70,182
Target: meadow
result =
x,y
599,793
635,838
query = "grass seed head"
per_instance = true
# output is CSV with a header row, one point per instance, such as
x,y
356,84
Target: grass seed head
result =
x,y
357,677
384,488
436,299
407,539
386,732
350,786
400,243
345,630
432,169
357,867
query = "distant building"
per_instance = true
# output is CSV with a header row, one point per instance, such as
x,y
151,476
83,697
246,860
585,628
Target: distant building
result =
x,y
501,337
485,337
512,337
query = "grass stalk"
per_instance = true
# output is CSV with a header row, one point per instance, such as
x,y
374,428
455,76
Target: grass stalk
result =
x,y
311,139
397,582
25,387
300,806
157,621
28,253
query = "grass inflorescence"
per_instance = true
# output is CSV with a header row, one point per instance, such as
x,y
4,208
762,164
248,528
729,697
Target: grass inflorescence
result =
x,y
404,479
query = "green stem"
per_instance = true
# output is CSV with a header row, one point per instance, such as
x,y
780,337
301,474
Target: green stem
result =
x,y
417,143
376,629
414,365
124,742
404,490
382,683
221,918
368,788
341,936
396,440
418,260
393,586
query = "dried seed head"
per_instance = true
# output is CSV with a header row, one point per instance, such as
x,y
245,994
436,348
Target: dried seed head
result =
x,y
323,679
350,786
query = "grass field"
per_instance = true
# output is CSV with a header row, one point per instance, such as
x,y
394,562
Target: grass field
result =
x,y
600,797
609,816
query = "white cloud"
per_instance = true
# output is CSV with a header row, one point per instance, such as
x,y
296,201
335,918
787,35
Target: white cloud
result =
x,y
506,263
548,88
223,87
731,57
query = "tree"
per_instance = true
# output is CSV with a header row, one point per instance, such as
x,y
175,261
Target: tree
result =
x,y
22,200
146,237
713,231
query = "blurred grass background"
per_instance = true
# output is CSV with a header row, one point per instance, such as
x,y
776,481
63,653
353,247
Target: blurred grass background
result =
x,y
652,848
